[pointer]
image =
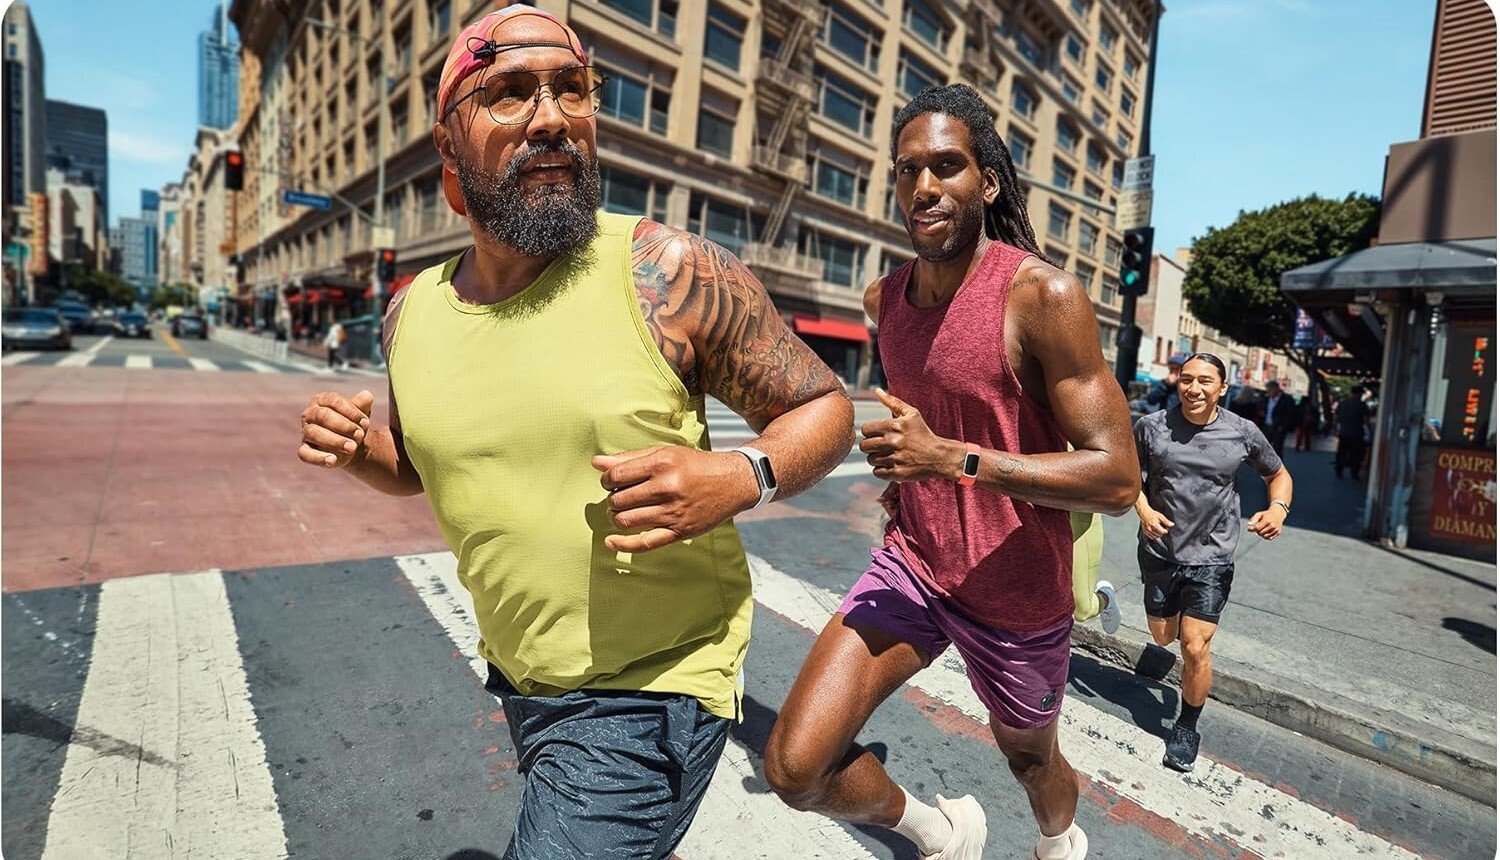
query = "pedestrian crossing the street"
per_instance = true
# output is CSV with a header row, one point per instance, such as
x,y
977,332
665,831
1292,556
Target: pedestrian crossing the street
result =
x,y
255,714
145,362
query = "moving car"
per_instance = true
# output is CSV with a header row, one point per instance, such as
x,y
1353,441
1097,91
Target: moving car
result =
x,y
132,324
190,325
35,327
79,317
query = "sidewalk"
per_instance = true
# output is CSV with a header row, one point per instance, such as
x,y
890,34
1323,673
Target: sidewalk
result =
x,y
1387,654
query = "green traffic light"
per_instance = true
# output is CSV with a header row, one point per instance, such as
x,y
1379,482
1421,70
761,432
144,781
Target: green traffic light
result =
x,y
1129,278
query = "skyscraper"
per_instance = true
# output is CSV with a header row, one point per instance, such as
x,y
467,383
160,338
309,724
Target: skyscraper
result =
x,y
218,73
25,108
78,145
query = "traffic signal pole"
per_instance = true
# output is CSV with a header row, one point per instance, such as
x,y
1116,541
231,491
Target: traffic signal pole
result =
x,y
1128,344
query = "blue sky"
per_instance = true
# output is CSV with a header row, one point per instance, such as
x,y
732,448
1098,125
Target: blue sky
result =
x,y
1257,101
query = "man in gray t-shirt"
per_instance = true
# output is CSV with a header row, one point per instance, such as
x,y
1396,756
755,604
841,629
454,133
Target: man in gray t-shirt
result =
x,y
1190,526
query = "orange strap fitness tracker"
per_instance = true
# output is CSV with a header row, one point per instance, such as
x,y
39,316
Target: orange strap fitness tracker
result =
x,y
971,465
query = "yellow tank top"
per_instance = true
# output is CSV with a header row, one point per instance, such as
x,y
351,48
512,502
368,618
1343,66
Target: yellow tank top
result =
x,y
502,406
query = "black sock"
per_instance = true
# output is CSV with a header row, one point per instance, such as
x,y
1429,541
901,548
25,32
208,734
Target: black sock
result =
x,y
1188,719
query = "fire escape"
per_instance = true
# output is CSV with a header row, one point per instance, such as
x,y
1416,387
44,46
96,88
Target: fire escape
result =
x,y
785,92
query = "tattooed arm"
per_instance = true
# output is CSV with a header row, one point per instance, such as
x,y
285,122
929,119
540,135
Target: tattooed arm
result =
x,y
715,324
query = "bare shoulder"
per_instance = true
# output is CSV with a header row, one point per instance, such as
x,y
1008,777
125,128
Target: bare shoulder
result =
x,y
1048,303
873,293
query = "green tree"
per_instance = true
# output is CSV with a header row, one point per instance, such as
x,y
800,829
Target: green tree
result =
x,y
97,288
1234,280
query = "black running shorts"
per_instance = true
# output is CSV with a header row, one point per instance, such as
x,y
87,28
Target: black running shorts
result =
x,y
1196,590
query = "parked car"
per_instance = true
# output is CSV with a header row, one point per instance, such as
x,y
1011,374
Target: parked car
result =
x,y
79,317
132,324
35,327
190,325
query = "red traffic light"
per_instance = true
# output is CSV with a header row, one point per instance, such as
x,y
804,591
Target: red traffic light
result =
x,y
387,256
235,159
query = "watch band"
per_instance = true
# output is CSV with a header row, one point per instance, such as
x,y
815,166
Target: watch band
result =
x,y
765,476
1284,505
970,469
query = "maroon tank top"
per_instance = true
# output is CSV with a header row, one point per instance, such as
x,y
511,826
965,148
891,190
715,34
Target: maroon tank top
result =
x,y
1002,562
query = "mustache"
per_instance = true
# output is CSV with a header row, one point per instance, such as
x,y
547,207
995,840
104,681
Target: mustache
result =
x,y
534,150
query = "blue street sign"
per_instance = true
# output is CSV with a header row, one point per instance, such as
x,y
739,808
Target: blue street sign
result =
x,y
302,198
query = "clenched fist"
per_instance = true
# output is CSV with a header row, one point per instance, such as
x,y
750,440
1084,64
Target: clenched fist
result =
x,y
334,428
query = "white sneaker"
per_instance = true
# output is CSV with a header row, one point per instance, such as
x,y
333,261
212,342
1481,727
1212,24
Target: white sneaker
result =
x,y
1109,617
969,829
1078,845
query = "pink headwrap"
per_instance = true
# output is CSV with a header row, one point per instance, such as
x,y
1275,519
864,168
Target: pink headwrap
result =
x,y
463,60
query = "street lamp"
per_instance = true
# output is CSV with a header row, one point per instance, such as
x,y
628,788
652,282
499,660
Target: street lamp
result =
x,y
378,229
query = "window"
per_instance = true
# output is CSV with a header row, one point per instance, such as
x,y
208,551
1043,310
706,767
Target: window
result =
x,y
1127,103
892,210
1132,65
1109,289
837,178
1067,136
661,103
715,133
1085,274
851,36
1063,175
842,260
627,194
724,37
1102,77
398,125
1095,158
1088,237
1059,220
1100,116
1073,47
1023,101
1071,89
1117,177
1123,140
1111,253
624,98
660,15
729,225
1107,338
926,23
1079,7
1028,48
402,40
1092,191
916,75
1020,149
438,19
844,103
1107,36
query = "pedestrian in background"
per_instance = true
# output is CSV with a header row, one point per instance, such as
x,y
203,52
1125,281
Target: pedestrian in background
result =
x,y
1163,393
1190,516
334,341
1307,422
1280,416
1351,419
547,395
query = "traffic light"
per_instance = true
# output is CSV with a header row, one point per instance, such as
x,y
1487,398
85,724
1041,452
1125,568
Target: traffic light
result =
x,y
234,170
1135,261
386,266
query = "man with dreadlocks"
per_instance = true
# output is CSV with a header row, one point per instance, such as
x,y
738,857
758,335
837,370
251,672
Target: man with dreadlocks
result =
x,y
995,355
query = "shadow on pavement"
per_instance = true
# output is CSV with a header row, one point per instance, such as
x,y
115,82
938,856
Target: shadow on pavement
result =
x,y
471,854
1474,633
1447,571
1152,704
1321,502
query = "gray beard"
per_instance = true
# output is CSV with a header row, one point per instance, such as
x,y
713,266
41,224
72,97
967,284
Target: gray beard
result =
x,y
555,219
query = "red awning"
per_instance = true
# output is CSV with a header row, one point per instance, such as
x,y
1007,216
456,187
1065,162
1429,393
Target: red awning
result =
x,y
824,327
400,283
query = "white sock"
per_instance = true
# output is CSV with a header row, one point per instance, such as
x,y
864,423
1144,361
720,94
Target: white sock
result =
x,y
1055,847
925,825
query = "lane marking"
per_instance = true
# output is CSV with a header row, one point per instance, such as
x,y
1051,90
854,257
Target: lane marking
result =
x,y
138,362
18,357
258,367
1214,801
172,343
77,359
202,364
732,823
94,350
859,468
165,758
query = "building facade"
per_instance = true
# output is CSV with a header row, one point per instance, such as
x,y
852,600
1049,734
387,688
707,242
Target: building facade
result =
x,y
78,144
764,126
74,235
218,72
22,149
136,236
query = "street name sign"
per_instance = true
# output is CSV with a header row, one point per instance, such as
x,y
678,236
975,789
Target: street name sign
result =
x,y
302,198
1138,173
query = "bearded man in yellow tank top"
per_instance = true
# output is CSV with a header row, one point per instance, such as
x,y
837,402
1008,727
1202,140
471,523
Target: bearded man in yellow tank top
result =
x,y
547,394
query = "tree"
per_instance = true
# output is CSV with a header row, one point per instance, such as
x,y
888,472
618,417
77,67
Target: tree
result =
x,y
97,288
1234,280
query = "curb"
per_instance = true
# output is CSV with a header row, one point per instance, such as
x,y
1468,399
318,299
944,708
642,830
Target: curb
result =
x,y
1427,752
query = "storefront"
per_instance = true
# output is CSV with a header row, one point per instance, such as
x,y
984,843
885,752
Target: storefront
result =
x,y
843,345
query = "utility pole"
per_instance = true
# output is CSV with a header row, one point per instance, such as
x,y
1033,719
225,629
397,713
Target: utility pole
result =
x,y
1128,341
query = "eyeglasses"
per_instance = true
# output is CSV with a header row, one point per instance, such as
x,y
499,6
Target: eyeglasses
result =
x,y
513,97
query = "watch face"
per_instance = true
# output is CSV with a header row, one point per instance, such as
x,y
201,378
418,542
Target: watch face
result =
x,y
971,465
767,477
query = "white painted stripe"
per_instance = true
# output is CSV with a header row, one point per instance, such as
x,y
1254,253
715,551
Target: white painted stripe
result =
x,y
94,350
733,823
138,362
18,357
202,364
1214,800
856,469
165,760
258,367
77,359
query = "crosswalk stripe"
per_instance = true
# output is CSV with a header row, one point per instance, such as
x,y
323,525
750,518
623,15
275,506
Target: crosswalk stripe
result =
x,y
856,469
138,362
202,364
1215,801
79,359
258,367
18,357
732,823
165,760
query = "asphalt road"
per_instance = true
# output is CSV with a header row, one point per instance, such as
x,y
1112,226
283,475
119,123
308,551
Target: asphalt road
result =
x,y
295,696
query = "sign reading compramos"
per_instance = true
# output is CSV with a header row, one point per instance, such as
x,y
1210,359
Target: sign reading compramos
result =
x,y
1463,495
